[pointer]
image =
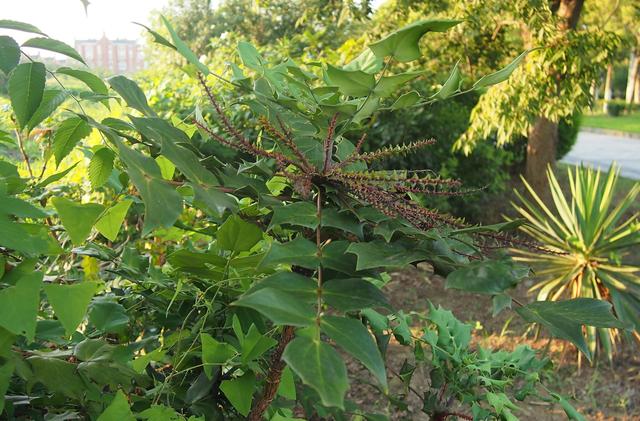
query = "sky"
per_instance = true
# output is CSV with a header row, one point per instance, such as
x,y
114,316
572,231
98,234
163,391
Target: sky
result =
x,y
65,20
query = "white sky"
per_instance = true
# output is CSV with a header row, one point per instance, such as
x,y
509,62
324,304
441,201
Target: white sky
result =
x,y
65,20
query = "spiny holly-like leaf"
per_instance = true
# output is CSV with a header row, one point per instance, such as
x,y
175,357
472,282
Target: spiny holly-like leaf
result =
x,y
320,367
239,391
300,252
403,44
110,222
238,235
376,254
282,308
390,84
19,305
77,218
163,204
565,319
68,134
214,353
250,56
353,337
303,288
9,54
70,302
303,214
501,75
157,37
118,410
351,82
406,100
26,88
352,294
486,276
100,167
452,85
56,46
366,62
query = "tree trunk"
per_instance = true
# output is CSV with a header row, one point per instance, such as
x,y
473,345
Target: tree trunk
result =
x,y
608,88
632,78
543,135
636,91
541,153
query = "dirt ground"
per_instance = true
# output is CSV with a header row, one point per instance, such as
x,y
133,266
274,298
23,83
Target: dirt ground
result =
x,y
601,392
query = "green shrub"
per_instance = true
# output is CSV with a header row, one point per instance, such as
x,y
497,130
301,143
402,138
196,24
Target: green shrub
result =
x,y
615,107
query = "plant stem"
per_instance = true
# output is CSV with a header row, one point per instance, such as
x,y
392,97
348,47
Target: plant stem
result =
x,y
274,375
24,153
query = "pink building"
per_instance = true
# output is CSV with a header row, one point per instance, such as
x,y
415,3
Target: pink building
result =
x,y
117,56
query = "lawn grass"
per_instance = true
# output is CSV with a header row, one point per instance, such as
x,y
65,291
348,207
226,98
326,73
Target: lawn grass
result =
x,y
624,123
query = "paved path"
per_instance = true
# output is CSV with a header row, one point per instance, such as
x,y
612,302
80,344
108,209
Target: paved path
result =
x,y
600,150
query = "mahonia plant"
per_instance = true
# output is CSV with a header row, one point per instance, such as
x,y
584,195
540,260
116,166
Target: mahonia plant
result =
x,y
214,286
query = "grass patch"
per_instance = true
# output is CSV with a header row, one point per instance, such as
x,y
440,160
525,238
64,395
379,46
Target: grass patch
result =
x,y
624,123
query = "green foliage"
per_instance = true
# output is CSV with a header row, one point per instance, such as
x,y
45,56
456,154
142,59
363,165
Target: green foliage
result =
x,y
589,236
231,283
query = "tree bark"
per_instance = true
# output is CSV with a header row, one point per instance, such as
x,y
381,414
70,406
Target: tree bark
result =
x,y
632,78
541,153
608,88
543,136
636,91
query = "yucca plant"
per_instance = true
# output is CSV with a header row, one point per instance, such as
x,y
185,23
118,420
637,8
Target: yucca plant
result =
x,y
589,236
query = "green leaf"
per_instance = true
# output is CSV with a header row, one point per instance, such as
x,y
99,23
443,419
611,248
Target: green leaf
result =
x,y
183,49
406,100
238,235
564,319
77,219
26,88
111,221
19,305
132,94
300,252
254,344
107,315
351,82
500,302
70,302
320,367
452,85
58,376
501,75
167,169
68,134
282,308
157,37
303,288
214,353
51,99
353,337
55,177
299,213
26,238
163,204
287,388
9,54
403,44
56,46
377,254
568,409
239,391
250,56
390,84
6,372
486,276
118,410
352,294
366,62
20,26
10,205
100,167
92,81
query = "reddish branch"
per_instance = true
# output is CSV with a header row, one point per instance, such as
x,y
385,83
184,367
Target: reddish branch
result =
x,y
274,375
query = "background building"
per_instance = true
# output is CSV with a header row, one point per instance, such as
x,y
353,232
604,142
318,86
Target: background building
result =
x,y
114,56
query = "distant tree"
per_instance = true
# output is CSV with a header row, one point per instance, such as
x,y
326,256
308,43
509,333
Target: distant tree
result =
x,y
553,83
